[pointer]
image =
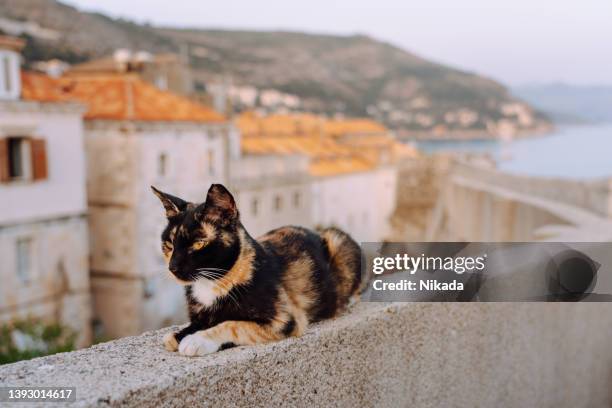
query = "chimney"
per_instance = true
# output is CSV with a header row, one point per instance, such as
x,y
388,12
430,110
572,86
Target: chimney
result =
x,y
10,67
122,58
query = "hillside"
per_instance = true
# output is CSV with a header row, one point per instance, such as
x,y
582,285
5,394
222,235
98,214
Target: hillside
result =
x,y
356,75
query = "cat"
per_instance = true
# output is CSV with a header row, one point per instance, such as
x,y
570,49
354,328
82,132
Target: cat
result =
x,y
242,291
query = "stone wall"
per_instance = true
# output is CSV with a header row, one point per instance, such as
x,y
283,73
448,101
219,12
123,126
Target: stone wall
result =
x,y
56,287
404,354
594,196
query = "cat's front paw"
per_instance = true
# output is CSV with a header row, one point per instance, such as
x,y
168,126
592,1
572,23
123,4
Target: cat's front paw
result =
x,y
197,345
170,342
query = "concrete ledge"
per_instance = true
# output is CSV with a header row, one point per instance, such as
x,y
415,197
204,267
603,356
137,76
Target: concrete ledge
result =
x,y
405,354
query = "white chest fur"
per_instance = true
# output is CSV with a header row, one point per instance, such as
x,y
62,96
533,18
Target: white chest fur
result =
x,y
202,291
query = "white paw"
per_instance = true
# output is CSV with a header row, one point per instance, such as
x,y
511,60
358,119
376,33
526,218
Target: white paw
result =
x,y
170,342
197,345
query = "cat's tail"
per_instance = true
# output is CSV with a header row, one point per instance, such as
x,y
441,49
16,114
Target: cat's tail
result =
x,y
344,262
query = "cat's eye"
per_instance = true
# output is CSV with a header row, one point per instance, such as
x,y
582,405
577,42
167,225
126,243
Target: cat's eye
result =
x,y
198,245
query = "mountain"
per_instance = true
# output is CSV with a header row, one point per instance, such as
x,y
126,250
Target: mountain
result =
x,y
355,74
570,103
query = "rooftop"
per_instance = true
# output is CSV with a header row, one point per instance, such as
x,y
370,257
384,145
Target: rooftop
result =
x,y
354,126
116,97
11,43
327,156
252,124
320,138
118,63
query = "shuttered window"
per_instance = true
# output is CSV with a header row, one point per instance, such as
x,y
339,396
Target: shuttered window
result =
x,y
22,159
4,161
6,62
17,156
38,149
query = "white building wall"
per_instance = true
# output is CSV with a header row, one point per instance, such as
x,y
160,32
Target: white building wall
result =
x,y
268,216
359,203
272,191
63,192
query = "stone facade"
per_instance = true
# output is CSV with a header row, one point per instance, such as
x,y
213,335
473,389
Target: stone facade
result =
x,y
360,203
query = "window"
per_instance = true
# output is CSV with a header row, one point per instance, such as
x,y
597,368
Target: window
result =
x,y
18,158
22,158
211,162
254,206
297,199
161,81
16,148
278,203
162,165
24,259
6,68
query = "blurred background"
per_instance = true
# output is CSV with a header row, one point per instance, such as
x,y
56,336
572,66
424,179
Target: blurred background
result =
x,y
445,121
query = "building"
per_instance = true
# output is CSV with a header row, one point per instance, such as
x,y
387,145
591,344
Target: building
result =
x,y
168,72
43,226
352,167
272,190
136,136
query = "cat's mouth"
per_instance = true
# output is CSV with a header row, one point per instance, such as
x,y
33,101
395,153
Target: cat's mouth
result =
x,y
180,280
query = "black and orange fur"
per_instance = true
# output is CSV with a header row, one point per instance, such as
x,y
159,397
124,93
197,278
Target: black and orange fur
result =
x,y
242,291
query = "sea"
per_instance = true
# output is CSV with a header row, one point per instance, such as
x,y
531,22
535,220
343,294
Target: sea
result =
x,y
575,152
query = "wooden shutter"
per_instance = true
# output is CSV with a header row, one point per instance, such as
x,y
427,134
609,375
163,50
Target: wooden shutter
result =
x,y
38,147
4,160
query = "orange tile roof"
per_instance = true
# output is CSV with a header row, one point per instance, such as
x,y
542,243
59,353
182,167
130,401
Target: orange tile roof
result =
x,y
293,124
403,151
11,43
309,146
327,156
345,165
358,126
279,124
319,138
116,97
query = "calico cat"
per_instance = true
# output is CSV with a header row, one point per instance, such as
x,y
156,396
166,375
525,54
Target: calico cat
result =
x,y
242,291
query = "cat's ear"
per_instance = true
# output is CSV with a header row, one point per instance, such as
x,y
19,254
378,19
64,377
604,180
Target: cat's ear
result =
x,y
220,206
173,205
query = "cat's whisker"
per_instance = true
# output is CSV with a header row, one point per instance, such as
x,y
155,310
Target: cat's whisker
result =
x,y
206,271
212,273
212,269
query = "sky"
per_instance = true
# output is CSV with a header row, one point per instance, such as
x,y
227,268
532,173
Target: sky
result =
x,y
517,42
